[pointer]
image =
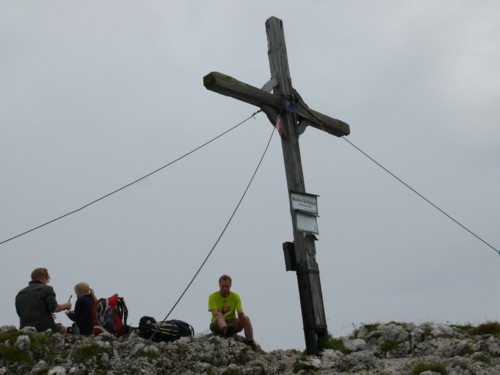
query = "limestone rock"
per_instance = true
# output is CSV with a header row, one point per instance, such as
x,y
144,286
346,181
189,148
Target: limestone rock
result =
x,y
392,348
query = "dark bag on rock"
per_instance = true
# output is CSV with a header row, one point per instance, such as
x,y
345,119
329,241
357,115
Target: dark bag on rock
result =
x,y
169,330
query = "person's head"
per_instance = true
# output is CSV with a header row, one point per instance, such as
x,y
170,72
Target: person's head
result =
x,y
83,288
40,274
225,285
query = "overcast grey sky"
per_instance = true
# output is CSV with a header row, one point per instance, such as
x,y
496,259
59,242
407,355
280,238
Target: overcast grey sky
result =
x,y
96,94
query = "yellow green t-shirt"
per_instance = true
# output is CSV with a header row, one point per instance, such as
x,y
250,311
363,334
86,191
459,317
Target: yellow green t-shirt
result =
x,y
216,301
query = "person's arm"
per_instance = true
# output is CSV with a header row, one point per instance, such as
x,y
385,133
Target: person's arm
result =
x,y
212,305
71,315
215,311
64,306
50,300
238,307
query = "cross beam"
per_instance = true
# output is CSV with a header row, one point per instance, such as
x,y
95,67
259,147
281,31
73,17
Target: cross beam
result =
x,y
272,104
285,103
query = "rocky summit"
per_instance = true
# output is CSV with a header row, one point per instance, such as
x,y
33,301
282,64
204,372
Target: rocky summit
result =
x,y
392,348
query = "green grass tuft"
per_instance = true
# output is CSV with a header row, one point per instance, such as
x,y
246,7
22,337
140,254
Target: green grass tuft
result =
x,y
335,344
435,367
13,355
488,328
389,345
86,352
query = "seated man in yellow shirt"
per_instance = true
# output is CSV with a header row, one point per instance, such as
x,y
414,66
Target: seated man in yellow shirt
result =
x,y
224,305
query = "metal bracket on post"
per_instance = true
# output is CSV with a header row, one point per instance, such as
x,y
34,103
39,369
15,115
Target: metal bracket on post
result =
x,y
289,253
270,85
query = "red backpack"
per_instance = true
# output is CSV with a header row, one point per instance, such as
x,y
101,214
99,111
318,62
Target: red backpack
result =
x,y
110,315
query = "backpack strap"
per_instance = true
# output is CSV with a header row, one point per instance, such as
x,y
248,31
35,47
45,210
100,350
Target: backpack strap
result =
x,y
121,309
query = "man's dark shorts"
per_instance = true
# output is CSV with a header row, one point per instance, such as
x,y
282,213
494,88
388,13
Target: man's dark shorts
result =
x,y
219,331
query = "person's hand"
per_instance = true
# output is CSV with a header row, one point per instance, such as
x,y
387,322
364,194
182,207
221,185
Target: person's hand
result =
x,y
226,309
67,306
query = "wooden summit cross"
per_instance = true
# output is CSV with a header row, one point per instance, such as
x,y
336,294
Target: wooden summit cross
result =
x,y
285,108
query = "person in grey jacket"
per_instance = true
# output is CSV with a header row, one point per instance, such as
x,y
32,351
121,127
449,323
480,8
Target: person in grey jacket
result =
x,y
36,304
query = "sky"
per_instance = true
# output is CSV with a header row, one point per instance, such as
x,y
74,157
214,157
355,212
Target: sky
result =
x,y
96,94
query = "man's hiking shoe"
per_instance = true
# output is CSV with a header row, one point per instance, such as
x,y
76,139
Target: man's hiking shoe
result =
x,y
228,331
253,345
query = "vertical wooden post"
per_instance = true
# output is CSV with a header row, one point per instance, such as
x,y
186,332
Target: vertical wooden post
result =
x,y
282,104
311,298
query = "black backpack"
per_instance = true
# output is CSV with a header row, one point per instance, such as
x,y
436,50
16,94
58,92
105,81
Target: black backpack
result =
x,y
169,330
